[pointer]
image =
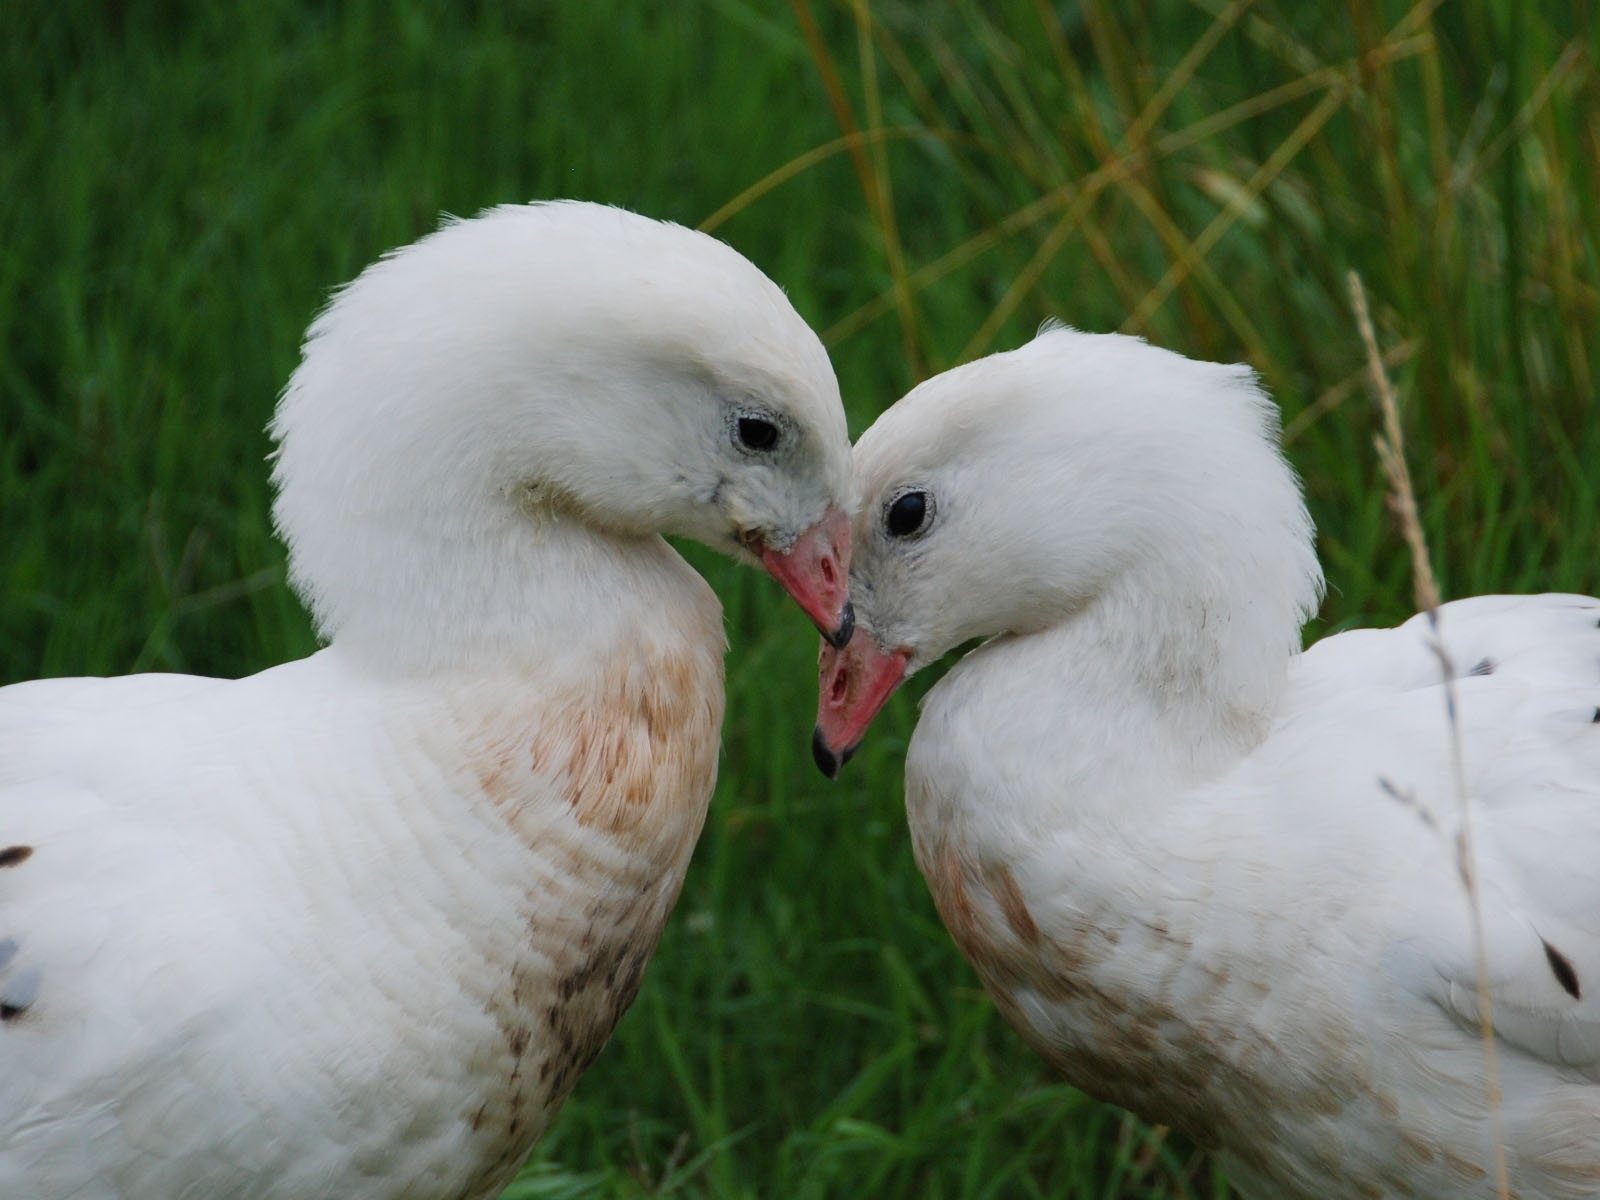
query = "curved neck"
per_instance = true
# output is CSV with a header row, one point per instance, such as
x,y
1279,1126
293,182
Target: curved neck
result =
x,y
1153,687
408,440
517,594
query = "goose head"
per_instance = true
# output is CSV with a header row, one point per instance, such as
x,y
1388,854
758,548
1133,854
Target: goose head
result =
x,y
1082,473
540,369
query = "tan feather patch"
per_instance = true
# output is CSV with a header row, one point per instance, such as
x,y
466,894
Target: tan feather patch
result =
x,y
606,781
633,749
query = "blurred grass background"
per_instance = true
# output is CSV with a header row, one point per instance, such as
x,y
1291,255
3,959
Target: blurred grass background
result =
x,y
181,183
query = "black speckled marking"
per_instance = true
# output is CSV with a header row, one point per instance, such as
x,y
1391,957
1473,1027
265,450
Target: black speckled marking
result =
x,y
1562,968
1484,666
12,855
21,990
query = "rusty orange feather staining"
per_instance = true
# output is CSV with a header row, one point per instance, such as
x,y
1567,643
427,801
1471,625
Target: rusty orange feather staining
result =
x,y
979,903
650,736
1004,887
946,877
630,751
622,757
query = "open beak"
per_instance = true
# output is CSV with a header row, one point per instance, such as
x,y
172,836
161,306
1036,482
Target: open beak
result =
x,y
853,684
816,572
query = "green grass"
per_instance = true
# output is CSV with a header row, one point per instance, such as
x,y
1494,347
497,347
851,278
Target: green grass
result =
x,y
180,184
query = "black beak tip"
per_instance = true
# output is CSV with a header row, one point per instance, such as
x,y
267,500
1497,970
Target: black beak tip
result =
x,y
827,761
840,637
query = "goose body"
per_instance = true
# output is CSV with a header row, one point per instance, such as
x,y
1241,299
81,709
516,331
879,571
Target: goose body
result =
x,y
354,926
316,995
1206,876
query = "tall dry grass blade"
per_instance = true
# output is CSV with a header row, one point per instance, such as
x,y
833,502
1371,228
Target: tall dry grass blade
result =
x,y
1139,193
1403,501
1026,279
883,191
1237,203
802,163
1391,453
1168,144
1144,198
1190,258
1339,89
1419,15
833,88
1572,57
877,204
1395,356
1286,93
1180,75
1271,37
921,96
1050,21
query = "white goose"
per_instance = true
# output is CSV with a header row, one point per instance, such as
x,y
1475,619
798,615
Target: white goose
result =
x,y
352,927
1208,877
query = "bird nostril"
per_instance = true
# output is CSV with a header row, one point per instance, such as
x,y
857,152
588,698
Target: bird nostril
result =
x,y
828,572
836,689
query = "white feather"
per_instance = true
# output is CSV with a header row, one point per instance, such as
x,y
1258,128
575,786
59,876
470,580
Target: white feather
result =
x,y
1208,877
353,926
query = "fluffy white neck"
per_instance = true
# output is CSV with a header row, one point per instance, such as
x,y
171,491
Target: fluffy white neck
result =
x,y
488,429
408,441
514,593
1165,678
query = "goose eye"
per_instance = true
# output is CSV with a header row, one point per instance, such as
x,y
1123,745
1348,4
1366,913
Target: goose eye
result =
x,y
756,433
907,513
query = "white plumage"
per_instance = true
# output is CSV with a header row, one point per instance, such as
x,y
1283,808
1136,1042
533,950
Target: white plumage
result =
x,y
352,927
1208,877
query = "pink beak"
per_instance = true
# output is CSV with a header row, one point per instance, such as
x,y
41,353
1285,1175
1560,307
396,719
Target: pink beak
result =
x,y
816,572
853,685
